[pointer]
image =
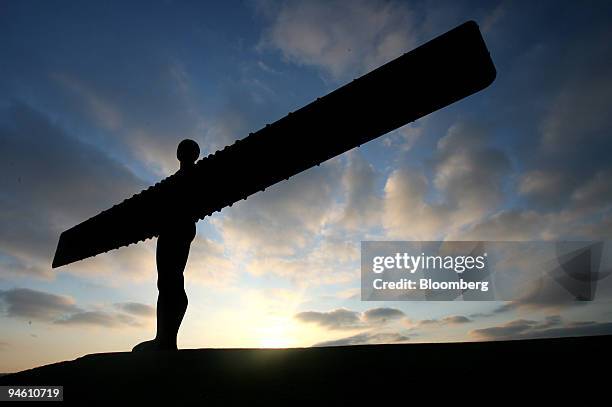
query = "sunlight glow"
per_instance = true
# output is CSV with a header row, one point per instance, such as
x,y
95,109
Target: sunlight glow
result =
x,y
275,336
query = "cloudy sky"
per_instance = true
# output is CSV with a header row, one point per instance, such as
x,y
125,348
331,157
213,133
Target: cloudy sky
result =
x,y
95,97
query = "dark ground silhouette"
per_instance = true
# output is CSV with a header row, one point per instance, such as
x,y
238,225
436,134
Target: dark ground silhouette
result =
x,y
463,373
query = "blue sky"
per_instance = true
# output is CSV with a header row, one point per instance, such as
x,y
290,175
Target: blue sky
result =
x,y
95,97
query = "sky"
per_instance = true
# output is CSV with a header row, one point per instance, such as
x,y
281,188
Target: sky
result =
x,y
94,98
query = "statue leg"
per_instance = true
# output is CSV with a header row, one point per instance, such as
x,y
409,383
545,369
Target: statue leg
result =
x,y
171,256
172,298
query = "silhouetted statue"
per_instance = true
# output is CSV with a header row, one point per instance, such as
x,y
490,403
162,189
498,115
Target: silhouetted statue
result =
x,y
446,69
173,246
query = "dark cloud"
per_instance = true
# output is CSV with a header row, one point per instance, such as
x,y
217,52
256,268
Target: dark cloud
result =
x,y
382,315
51,181
346,319
136,308
508,330
599,230
450,320
425,322
550,321
596,192
456,319
550,105
31,304
562,130
477,315
98,318
336,319
367,338
551,327
544,294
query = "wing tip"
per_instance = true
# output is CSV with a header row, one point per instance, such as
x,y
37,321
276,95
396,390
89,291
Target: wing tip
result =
x,y
57,262
59,257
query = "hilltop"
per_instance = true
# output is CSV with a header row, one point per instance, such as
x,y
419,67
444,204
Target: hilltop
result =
x,y
454,371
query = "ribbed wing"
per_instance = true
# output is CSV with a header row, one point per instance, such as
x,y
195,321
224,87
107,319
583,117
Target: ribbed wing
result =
x,y
434,75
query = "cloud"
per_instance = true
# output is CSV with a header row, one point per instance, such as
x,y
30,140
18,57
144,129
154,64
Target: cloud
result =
x,y
406,213
542,185
557,133
99,318
284,218
52,182
346,319
322,34
134,262
32,304
298,229
456,319
511,224
468,177
382,315
320,267
551,327
579,112
137,94
406,136
565,143
336,319
490,20
363,205
325,259
450,320
366,338
595,193
508,330
150,122
556,187
208,263
136,308
585,215
542,294
469,172
598,230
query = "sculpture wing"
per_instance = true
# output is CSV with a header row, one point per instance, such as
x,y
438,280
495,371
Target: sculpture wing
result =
x,y
432,76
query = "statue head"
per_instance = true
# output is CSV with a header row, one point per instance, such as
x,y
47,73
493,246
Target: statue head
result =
x,y
187,152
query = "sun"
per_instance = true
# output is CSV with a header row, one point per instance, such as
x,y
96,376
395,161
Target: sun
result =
x,y
274,336
274,343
